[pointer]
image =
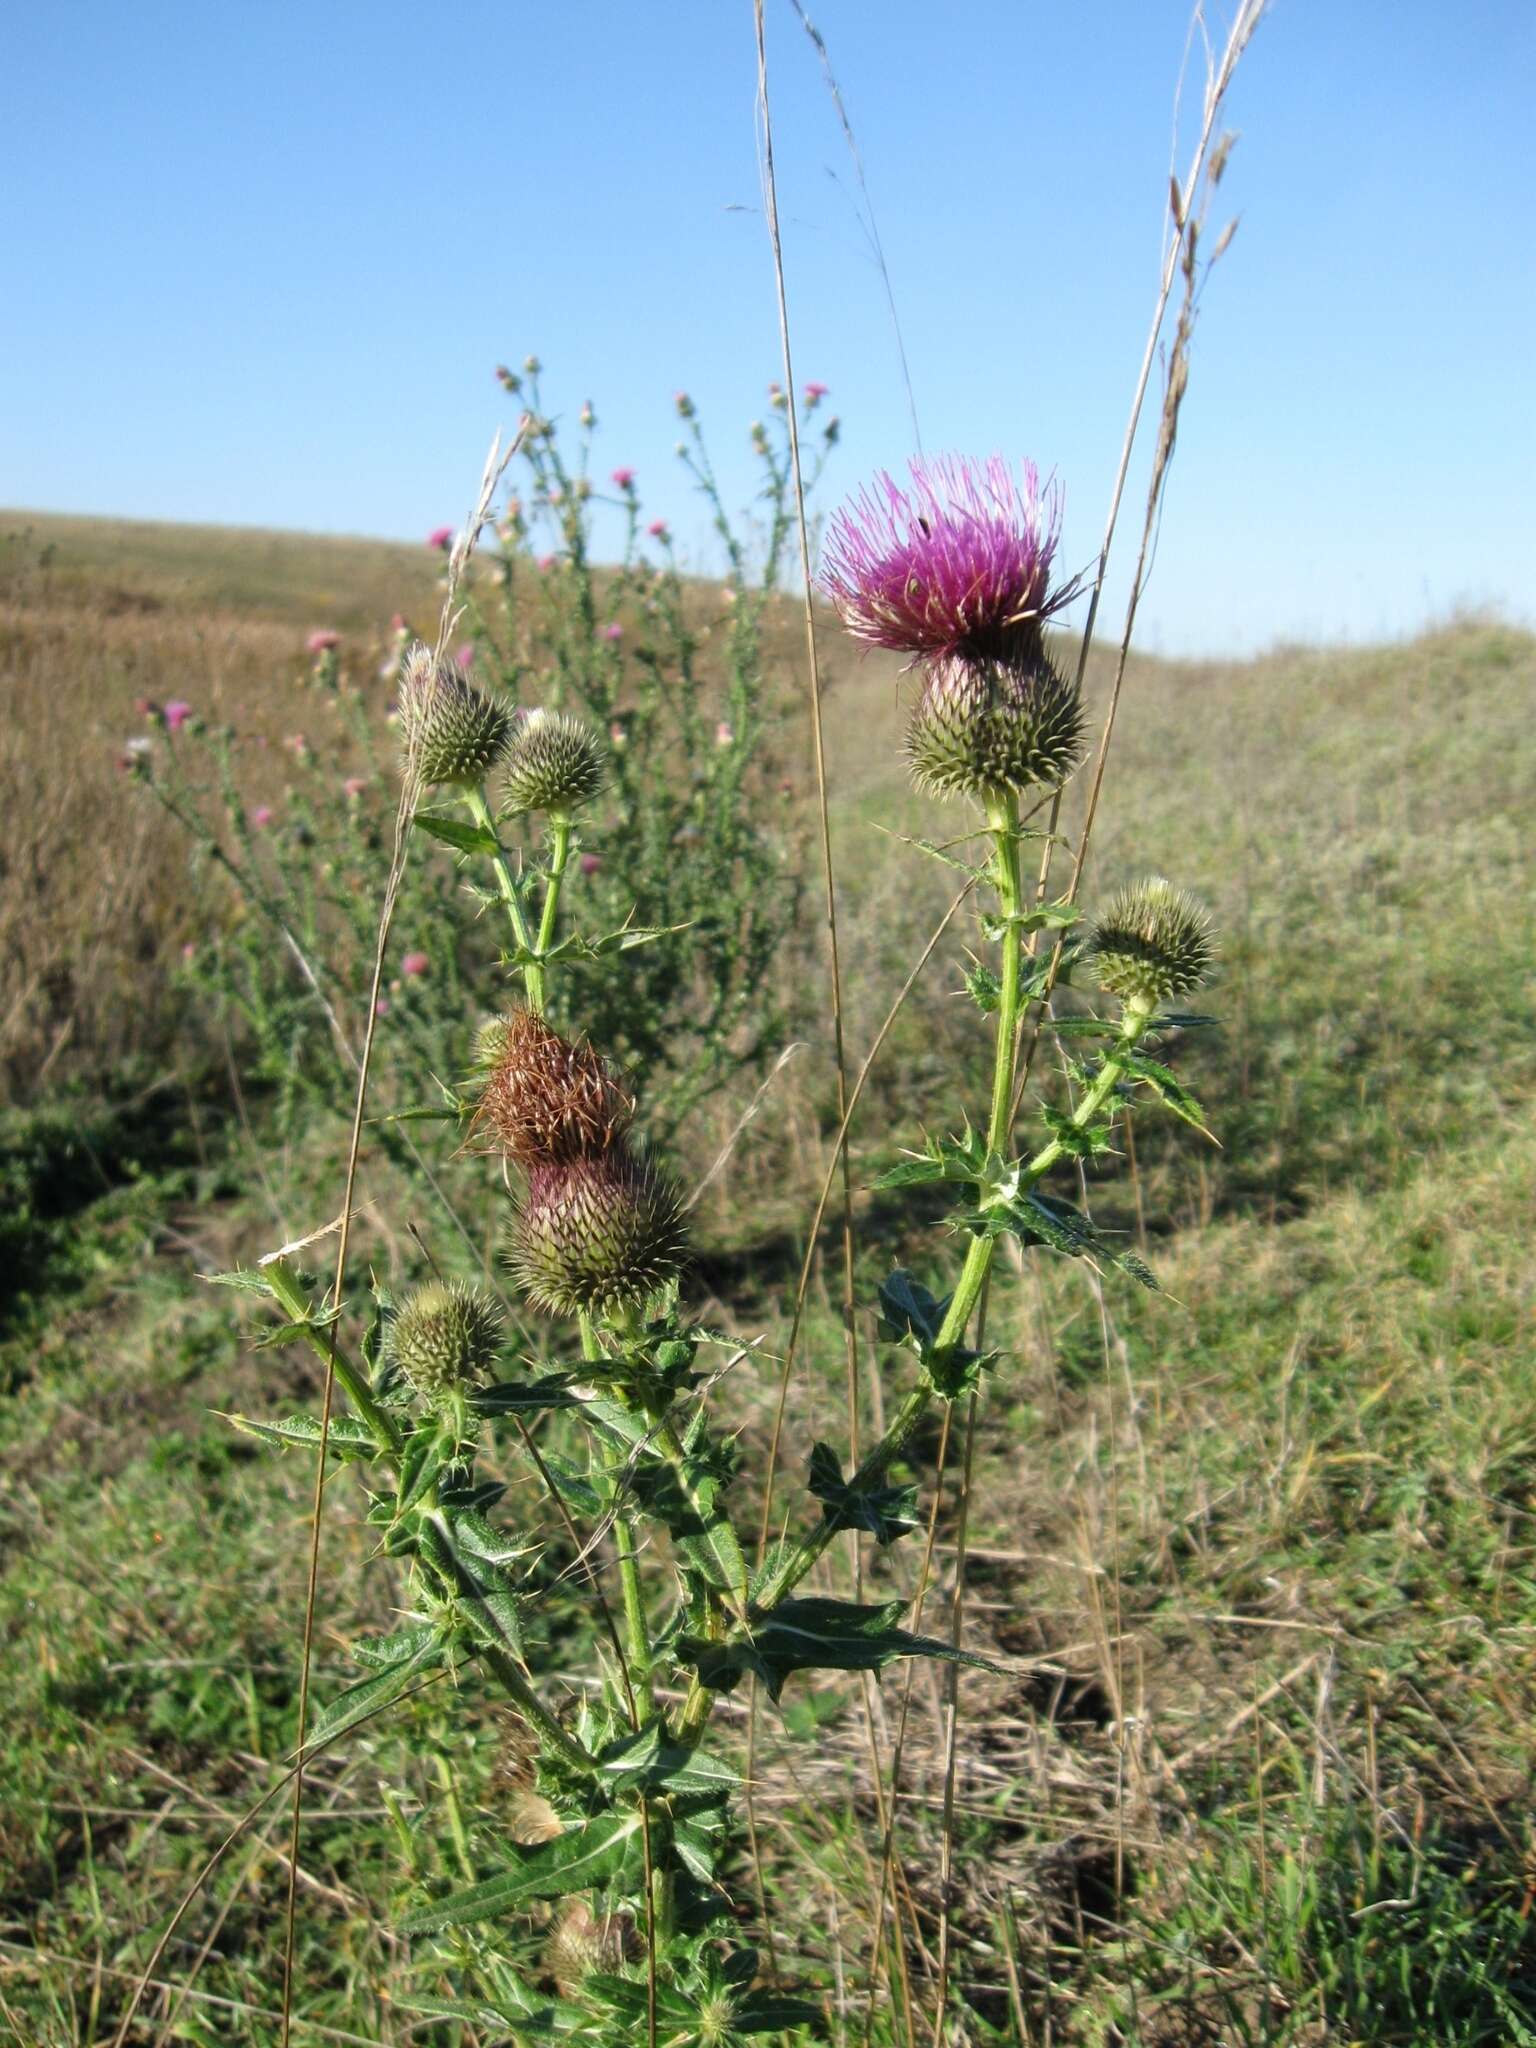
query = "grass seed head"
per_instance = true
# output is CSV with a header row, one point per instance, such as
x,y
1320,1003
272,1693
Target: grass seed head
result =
x,y
546,1099
555,764
444,1337
1154,942
982,725
453,732
597,1234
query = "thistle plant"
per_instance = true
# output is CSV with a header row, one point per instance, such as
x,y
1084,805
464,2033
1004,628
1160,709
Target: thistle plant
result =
x,y
632,1789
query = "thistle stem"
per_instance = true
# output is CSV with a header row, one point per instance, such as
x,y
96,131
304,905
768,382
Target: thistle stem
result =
x,y
506,886
559,856
1002,818
636,1627
286,1291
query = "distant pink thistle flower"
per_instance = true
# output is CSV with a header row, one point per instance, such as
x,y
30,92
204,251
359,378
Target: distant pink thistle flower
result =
x,y
414,963
297,744
322,641
657,529
545,563
146,707
261,817
176,714
613,631
625,479
814,393
465,655
397,624
725,733
353,787
189,951
960,564
590,863
441,538
381,1007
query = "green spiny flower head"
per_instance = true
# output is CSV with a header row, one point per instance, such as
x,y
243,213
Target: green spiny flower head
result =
x,y
984,725
453,732
597,1233
1152,943
444,1338
554,764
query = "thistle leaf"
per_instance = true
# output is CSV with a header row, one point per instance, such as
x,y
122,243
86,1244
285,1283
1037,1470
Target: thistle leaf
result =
x,y
346,1438
599,1853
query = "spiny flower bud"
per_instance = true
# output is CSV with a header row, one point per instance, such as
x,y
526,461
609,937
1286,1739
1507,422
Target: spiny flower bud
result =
x,y
982,725
582,1943
1153,942
444,1337
454,732
545,1099
597,1234
555,763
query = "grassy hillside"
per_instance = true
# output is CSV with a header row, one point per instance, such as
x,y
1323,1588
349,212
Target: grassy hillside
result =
x,y
1257,1556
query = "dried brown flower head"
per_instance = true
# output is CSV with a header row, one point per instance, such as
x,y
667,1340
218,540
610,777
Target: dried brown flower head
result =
x,y
547,1099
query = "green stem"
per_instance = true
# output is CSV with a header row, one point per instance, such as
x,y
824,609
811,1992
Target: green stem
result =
x,y
283,1281
559,855
636,1627
1002,818
506,887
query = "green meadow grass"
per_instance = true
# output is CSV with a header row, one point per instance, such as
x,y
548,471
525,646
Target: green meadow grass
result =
x,y
1256,1555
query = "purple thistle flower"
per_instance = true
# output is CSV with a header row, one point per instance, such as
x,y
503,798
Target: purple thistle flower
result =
x,y
176,714
960,564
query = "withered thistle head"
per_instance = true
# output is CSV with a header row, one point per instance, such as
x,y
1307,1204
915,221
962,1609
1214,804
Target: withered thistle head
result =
x,y
444,1337
982,725
554,764
546,1099
597,1234
582,1942
453,732
1152,943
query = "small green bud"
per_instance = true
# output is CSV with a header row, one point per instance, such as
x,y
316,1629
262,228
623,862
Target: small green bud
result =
x,y
454,733
982,725
555,763
1152,943
597,1234
444,1337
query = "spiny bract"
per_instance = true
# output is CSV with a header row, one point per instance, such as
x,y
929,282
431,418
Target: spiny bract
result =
x,y
554,764
981,726
1153,942
453,732
444,1336
597,1234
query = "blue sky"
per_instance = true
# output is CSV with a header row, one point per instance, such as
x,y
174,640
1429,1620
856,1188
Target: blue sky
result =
x,y
263,260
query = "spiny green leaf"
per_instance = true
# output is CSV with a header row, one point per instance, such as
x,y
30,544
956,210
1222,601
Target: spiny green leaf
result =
x,y
1169,1089
814,1635
245,1281
602,1851
370,1694
455,833
647,1759
884,1512
347,1438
